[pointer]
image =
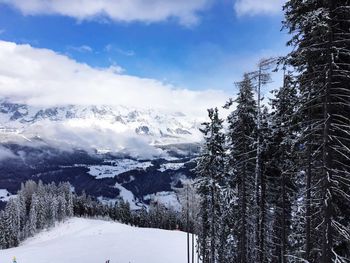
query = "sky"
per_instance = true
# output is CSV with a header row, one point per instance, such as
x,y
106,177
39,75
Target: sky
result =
x,y
175,54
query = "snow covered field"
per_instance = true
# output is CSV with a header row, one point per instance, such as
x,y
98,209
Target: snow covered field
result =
x,y
95,241
120,166
170,166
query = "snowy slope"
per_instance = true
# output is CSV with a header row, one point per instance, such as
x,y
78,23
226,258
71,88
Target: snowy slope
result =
x,y
94,241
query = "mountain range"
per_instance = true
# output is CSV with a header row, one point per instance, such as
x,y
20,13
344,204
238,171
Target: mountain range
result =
x,y
110,152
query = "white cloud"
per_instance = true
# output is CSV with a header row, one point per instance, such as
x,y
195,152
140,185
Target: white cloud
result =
x,y
6,153
111,48
64,136
44,77
114,68
118,10
82,49
254,7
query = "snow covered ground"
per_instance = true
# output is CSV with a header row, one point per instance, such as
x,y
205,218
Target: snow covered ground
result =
x,y
93,241
4,195
170,166
118,167
169,199
128,196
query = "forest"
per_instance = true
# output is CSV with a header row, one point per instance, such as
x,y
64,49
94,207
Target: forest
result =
x,y
274,180
39,206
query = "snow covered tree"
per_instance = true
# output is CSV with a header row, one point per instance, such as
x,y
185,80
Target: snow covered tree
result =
x,y
189,200
3,236
211,172
242,162
33,216
35,207
321,40
12,223
280,167
261,77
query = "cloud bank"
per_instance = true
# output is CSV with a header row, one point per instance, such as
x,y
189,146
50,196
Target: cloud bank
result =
x,y
66,137
43,77
6,153
186,12
255,7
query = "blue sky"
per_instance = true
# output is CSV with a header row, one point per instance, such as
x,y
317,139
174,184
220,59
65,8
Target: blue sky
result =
x,y
196,45
209,54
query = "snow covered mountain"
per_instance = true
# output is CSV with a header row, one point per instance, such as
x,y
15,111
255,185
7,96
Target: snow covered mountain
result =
x,y
91,241
110,152
106,128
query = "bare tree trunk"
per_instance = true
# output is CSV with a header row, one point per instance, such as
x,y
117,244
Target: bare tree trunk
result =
x,y
243,234
262,219
188,230
192,247
212,241
284,236
308,207
308,192
263,76
257,203
327,242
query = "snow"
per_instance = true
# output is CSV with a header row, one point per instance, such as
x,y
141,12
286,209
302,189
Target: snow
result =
x,y
170,166
93,241
5,195
169,199
107,201
119,167
128,196
116,128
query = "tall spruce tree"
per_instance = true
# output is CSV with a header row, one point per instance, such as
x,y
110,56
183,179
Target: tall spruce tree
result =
x,y
211,171
261,77
281,167
321,56
242,161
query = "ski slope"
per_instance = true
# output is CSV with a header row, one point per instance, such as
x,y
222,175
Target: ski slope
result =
x,y
95,241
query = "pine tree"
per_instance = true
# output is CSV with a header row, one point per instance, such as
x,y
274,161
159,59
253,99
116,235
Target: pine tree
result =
x,y
321,40
61,208
33,221
242,147
211,171
35,207
189,201
12,223
261,76
281,166
3,240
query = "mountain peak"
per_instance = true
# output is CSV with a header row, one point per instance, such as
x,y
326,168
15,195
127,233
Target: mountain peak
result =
x,y
112,125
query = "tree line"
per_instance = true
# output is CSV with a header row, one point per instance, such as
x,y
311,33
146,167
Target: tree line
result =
x,y
36,206
274,182
39,206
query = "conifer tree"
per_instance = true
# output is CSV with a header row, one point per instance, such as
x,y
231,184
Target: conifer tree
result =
x,y
242,154
281,166
211,171
320,37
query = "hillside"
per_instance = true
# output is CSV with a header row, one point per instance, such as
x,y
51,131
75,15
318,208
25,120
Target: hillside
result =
x,y
93,241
